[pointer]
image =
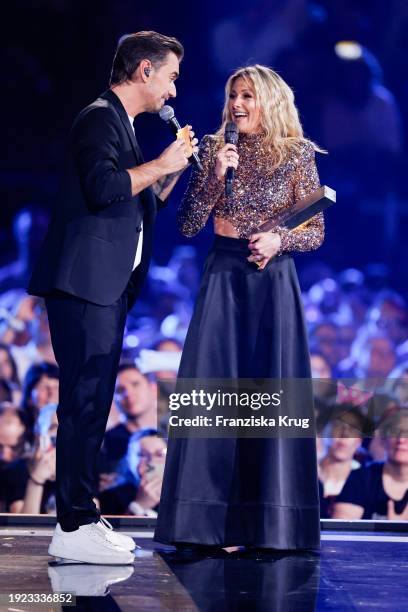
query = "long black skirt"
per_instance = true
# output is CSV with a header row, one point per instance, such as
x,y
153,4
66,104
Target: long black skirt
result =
x,y
238,491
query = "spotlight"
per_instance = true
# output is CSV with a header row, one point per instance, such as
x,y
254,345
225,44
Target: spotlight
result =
x,y
348,50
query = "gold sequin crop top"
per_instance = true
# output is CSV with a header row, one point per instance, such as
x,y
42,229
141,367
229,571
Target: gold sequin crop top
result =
x,y
259,193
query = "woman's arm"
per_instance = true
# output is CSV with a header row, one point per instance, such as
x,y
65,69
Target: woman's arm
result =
x,y
202,192
347,512
310,235
33,497
16,507
42,468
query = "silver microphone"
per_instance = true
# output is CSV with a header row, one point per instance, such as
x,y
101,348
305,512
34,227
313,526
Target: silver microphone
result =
x,y
167,114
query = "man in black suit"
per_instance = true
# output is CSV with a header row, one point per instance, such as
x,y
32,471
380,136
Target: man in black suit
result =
x,y
91,267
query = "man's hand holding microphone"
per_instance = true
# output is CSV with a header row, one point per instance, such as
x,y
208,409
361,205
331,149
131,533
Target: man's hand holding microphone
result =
x,y
176,156
162,173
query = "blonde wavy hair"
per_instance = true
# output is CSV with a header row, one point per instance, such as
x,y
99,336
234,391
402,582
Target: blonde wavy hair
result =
x,y
279,116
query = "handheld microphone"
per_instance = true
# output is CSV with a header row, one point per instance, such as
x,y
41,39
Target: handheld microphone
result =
x,y
230,137
167,114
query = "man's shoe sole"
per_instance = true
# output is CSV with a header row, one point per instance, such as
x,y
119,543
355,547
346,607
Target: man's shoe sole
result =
x,y
93,560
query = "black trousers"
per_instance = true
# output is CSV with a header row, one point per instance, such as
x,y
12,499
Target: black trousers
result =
x,y
87,341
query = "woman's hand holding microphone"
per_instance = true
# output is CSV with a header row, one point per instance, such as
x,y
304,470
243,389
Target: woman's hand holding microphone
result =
x,y
227,158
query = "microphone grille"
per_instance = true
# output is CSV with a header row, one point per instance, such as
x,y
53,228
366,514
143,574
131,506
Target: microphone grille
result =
x,y
231,133
166,113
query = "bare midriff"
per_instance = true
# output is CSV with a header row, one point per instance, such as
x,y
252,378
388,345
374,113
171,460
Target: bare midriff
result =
x,y
260,193
223,227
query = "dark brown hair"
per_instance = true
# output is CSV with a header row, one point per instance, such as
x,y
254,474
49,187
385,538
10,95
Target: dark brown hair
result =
x,y
133,48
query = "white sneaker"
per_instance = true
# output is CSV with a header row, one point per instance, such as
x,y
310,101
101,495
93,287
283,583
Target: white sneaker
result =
x,y
120,539
87,580
88,544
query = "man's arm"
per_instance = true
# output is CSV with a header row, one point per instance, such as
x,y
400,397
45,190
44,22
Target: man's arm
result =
x,y
164,186
96,152
145,175
161,173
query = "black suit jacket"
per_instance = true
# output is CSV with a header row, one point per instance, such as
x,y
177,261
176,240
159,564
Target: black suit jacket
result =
x,y
90,246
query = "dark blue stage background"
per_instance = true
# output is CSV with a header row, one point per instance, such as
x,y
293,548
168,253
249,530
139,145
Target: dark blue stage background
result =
x,y
347,63
56,57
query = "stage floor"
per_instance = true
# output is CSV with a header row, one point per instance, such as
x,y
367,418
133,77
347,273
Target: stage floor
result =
x,y
354,571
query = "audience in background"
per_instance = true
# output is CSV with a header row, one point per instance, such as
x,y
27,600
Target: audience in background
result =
x,y
5,392
397,384
274,26
357,316
184,265
324,387
373,357
29,227
41,387
135,394
14,446
8,373
362,348
389,314
146,459
342,436
139,494
136,397
379,490
357,103
34,479
116,417
324,339
13,433
38,347
169,349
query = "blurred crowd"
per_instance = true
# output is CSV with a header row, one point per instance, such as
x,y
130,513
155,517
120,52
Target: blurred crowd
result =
x,y
346,61
358,332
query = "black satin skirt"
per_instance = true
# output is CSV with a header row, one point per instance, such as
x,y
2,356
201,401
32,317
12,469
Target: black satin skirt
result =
x,y
239,491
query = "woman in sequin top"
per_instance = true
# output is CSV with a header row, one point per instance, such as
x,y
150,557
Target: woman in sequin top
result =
x,y
266,182
248,323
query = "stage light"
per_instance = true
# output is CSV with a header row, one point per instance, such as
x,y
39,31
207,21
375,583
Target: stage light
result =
x,y
131,341
348,50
